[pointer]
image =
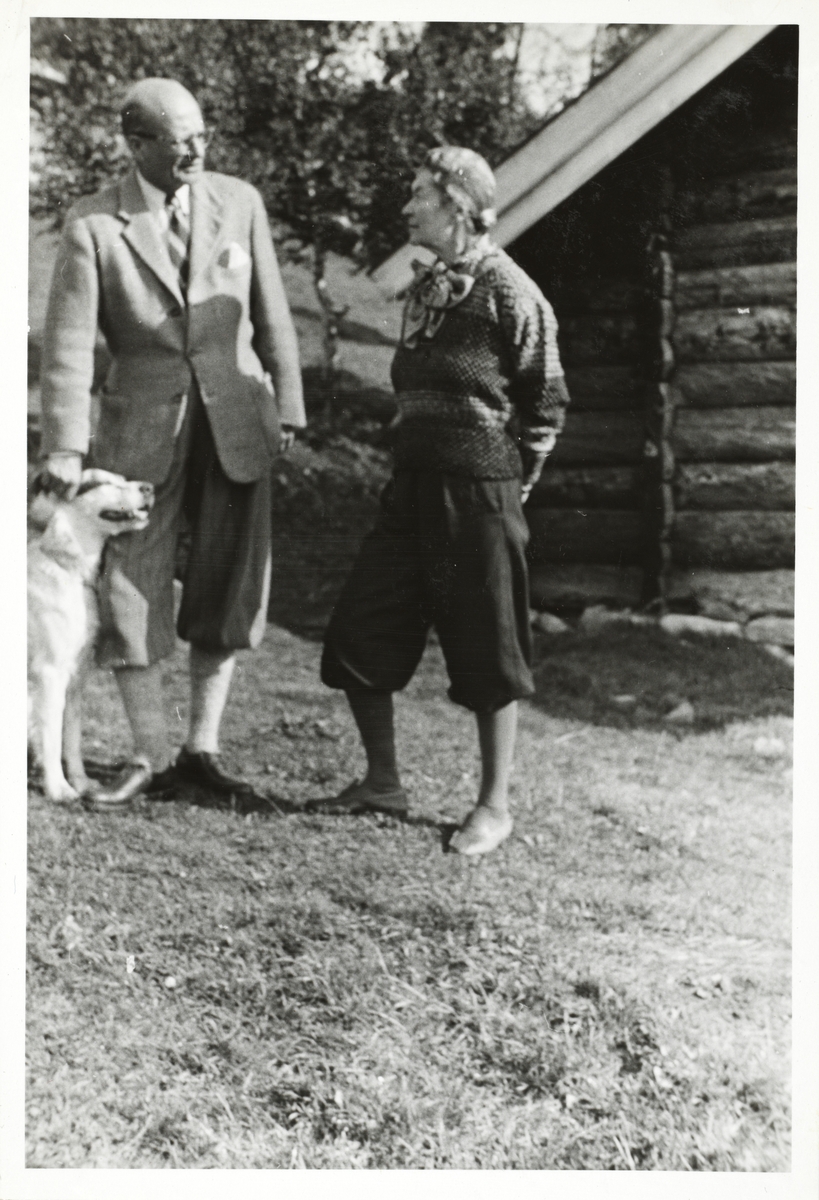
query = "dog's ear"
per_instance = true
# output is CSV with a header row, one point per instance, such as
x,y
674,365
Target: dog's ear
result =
x,y
42,508
88,485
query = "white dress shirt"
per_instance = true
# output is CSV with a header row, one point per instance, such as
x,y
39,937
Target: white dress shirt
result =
x,y
155,198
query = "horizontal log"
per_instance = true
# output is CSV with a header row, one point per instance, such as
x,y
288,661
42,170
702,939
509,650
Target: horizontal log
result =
x,y
601,388
772,239
745,486
599,338
734,434
735,335
734,594
574,587
735,384
594,487
740,196
777,631
733,540
599,439
560,535
769,151
721,287
589,295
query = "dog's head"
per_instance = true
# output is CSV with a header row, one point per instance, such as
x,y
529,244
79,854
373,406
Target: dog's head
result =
x,y
118,505
108,502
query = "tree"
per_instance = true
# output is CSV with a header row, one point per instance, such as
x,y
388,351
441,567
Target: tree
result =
x,y
277,91
329,119
297,83
613,43
330,147
455,83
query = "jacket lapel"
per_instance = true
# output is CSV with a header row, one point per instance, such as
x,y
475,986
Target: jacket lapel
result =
x,y
142,235
206,222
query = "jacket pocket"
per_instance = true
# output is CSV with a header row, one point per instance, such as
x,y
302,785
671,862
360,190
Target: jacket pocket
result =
x,y
233,258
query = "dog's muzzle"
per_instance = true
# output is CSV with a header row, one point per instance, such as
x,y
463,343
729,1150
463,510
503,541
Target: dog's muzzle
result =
x,y
118,515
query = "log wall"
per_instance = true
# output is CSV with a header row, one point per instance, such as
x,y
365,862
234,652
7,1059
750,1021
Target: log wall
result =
x,y
673,277
731,385
734,434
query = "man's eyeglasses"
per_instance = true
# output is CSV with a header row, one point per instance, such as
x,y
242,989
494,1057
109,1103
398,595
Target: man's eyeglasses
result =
x,y
196,141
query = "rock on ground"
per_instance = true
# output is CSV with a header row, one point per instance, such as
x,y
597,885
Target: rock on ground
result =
x,y
682,623
778,630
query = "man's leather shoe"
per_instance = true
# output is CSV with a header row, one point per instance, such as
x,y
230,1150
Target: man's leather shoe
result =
x,y
202,769
163,785
130,782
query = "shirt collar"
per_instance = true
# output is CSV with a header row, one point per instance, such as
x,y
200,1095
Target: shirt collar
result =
x,y
155,197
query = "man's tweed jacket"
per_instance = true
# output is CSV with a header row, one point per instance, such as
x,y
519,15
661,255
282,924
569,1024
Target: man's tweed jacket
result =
x,y
233,333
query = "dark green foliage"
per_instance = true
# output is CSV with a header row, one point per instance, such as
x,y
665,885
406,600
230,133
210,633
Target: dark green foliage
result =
x,y
457,84
327,118
331,147
613,43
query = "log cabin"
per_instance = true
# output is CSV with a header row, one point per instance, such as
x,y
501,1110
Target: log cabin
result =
x,y
658,215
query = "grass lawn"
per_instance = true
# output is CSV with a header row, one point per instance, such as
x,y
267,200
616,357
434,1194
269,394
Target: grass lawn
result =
x,y
610,990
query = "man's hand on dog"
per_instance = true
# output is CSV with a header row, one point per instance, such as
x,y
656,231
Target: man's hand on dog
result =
x,y
60,475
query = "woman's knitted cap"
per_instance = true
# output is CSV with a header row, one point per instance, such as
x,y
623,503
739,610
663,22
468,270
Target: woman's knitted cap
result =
x,y
468,181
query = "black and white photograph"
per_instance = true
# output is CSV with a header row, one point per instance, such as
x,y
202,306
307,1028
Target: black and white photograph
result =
x,y
411,507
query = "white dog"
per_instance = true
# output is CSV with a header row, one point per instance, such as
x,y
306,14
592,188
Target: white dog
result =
x,y
63,563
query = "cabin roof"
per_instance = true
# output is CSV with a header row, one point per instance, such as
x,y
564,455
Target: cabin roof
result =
x,y
658,76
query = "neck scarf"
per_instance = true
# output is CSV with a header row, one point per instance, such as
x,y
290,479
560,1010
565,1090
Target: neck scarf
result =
x,y
435,289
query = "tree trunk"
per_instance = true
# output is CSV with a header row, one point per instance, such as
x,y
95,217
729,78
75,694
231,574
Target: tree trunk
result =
x,y
735,384
735,335
562,535
743,486
735,244
733,540
735,434
331,314
720,287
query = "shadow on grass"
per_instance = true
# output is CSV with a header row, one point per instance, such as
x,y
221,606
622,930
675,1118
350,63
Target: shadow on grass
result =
x,y
445,829
630,678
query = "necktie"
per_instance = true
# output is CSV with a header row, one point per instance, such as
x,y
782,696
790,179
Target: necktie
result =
x,y
179,234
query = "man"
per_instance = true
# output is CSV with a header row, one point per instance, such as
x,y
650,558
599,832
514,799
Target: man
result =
x,y
175,266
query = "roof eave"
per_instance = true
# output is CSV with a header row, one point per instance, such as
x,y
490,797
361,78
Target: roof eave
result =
x,y
656,78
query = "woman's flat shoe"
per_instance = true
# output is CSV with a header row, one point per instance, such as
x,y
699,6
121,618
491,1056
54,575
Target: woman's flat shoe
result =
x,y
480,833
359,798
130,782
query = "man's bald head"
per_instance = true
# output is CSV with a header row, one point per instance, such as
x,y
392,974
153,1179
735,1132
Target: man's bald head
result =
x,y
163,126
152,104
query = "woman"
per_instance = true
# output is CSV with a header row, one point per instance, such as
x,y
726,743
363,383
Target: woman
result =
x,y
481,399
